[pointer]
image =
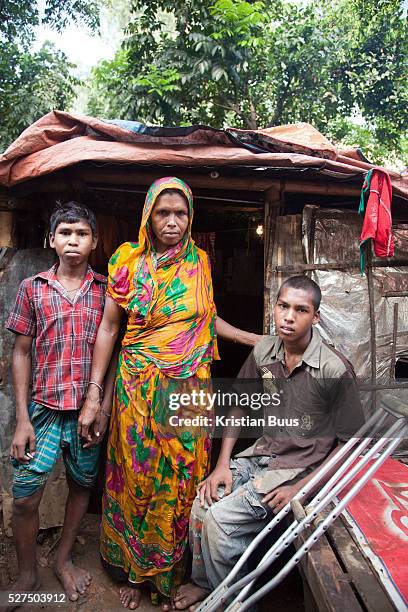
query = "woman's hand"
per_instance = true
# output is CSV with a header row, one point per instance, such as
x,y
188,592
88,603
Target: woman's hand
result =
x,y
105,341
248,338
234,334
89,414
98,429
207,489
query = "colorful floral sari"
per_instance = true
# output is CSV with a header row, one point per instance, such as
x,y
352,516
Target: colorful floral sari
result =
x,y
153,470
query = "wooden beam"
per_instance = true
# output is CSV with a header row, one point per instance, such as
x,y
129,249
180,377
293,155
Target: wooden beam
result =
x,y
15,203
221,182
80,178
274,204
325,577
6,229
359,569
344,265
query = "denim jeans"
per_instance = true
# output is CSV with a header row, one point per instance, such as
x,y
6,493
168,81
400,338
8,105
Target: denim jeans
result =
x,y
220,533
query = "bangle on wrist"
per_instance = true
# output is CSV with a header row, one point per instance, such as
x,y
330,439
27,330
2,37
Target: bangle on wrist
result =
x,y
92,382
100,390
105,413
235,335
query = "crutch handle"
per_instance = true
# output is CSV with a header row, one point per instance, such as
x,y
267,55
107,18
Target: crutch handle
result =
x,y
298,510
300,513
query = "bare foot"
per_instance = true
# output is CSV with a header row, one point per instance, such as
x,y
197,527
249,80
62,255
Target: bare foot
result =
x,y
188,595
130,598
166,604
29,583
74,580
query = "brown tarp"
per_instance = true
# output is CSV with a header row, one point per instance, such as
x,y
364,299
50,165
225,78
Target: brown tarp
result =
x,y
61,139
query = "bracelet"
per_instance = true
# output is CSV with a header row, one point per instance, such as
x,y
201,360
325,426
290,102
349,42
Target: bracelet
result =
x,y
92,382
105,413
235,335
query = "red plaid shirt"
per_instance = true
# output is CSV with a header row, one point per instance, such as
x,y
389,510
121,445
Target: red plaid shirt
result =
x,y
65,332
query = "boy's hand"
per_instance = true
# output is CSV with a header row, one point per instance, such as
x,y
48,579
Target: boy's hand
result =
x,y
279,497
87,417
222,475
24,436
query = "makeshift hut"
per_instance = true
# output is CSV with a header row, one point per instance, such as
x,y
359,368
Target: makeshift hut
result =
x,y
268,203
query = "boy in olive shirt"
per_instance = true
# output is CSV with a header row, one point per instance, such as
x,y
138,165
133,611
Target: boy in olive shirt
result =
x,y
320,403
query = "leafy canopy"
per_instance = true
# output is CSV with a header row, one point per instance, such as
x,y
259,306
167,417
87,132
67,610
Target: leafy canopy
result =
x,y
340,66
32,84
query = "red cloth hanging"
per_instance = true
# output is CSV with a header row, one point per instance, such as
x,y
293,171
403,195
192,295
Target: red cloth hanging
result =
x,y
378,220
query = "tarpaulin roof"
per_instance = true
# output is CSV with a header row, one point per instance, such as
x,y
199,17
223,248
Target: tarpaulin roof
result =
x,y
61,139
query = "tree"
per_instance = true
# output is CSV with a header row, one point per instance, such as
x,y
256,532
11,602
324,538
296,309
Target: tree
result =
x,y
19,17
32,84
339,66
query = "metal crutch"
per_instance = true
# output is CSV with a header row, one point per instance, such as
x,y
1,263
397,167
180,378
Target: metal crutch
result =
x,y
398,429
222,592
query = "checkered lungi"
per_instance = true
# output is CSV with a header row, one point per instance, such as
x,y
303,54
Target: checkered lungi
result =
x,y
56,433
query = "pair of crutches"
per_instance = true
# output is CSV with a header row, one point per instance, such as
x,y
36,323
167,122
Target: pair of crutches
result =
x,y
311,514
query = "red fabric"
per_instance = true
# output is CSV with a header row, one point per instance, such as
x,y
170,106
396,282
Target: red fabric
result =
x,y
206,241
64,333
378,219
381,512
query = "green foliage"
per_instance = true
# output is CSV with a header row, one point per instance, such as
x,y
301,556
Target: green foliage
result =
x,y
19,17
253,64
32,84
58,14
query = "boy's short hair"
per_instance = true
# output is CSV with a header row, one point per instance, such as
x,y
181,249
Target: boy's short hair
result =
x,y
306,284
72,212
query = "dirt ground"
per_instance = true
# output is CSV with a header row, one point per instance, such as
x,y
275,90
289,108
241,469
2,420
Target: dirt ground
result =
x,y
103,592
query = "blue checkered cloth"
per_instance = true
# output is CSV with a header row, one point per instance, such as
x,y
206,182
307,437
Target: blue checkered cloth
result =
x,y
56,434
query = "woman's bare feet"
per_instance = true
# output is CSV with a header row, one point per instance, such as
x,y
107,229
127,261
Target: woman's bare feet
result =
x,y
74,580
29,582
130,598
166,604
188,595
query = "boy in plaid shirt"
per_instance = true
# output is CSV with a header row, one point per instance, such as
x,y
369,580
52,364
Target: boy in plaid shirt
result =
x,y
60,311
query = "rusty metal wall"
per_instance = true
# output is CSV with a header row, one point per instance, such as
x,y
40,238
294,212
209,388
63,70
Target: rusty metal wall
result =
x,y
331,236
364,316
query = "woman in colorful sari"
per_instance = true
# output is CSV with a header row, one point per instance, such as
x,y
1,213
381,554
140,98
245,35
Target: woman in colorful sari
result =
x,y
163,283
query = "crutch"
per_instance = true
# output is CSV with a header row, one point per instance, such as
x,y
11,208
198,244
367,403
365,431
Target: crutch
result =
x,y
398,430
224,591
218,596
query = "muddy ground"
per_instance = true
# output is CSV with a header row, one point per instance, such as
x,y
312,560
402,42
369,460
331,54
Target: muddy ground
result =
x,y
103,592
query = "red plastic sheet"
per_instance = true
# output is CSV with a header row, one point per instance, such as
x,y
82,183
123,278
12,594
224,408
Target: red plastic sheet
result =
x,y
381,513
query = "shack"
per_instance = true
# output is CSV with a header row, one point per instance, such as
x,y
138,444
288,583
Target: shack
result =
x,y
268,203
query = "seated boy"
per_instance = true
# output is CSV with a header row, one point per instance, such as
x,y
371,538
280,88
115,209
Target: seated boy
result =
x,y
60,310
320,406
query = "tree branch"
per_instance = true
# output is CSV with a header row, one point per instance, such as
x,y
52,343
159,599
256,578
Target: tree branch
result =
x,y
279,106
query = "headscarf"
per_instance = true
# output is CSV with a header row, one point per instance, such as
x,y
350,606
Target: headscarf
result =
x,y
132,268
